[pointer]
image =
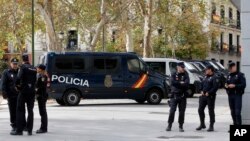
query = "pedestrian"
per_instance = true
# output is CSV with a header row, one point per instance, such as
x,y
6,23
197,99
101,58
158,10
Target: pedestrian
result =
x,y
9,90
26,80
209,87
235,86
42,96
179,86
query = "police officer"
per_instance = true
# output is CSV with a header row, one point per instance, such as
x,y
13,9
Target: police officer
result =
x,y
179,86
235,85
210,85
26,80
9,90
42,97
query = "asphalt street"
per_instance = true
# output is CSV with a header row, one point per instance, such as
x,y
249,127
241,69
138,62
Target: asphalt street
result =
x,y
121,120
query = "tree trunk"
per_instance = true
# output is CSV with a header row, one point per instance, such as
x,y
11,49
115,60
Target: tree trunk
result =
x,y
127,26
147,48
52,44
99,26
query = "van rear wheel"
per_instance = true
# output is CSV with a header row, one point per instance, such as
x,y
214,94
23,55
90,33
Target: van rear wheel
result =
x,y
72,98
154,97
60,102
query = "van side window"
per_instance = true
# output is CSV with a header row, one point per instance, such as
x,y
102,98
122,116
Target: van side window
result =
x,y
70,63
111,65
63,64
172,67
106,65
133,65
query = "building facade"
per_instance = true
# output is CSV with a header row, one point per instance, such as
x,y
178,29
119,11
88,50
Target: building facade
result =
x,y
225,20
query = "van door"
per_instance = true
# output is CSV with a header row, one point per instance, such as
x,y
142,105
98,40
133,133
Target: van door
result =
x,y
135,78
106,77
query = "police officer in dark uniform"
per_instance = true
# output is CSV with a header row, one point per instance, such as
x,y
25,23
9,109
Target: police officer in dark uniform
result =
x,y
42,96
235,86
179,86
9,90
26,80
209,87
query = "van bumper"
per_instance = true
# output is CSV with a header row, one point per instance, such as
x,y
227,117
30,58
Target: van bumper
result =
x,y
55,95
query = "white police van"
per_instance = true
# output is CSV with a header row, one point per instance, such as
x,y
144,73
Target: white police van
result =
x,y
168,66
76,75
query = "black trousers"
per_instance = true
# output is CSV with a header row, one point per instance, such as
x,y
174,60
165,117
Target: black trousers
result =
x,y
29,99
210,102
181,102
235,104
12,104
43,112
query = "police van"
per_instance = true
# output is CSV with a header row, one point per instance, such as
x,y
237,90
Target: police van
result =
x,y
77,75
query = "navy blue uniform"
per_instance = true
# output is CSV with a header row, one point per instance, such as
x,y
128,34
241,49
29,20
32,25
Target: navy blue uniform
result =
x,y
9,90
235,95
210,85
179,86
26,81
42,97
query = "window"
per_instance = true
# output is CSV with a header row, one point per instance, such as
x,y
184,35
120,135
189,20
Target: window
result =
x,y
213,8
133,65
69,63
222,11
230,13
158,66
238,19
172,67
106,65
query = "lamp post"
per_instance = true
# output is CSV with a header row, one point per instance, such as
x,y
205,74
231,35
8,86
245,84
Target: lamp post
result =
x,y
33,33
61,37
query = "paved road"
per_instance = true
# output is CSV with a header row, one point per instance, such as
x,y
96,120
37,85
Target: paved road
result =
x,y
121,120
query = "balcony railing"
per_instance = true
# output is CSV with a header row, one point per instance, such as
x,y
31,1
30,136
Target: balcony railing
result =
x,y
224,48
226,21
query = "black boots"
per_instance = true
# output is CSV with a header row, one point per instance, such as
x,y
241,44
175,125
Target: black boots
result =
x,y
169,127
202,126
211,128
16,133
181,128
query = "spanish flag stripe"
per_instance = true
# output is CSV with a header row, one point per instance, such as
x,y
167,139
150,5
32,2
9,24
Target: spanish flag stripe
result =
x,y
140,83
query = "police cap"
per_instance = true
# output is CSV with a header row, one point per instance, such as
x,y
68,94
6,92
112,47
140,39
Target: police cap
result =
x,y
210,67
231,64
14,60
181,64
25,57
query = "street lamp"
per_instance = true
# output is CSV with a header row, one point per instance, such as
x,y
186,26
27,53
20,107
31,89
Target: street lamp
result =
x,y
33,33
61,37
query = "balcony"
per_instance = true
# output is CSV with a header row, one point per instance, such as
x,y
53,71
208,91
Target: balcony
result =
x,y
232,50
216,19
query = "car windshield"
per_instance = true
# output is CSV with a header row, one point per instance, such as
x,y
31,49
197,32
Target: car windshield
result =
x,y
216,67
190,67
220,65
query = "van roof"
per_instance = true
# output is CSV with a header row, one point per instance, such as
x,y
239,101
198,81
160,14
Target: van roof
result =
x,y
93,53
161,59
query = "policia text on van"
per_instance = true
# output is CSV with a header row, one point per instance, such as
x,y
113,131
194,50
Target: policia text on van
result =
x,y
102,76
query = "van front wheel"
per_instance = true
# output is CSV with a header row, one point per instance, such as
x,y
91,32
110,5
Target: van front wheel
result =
x,y
72,98
154,97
